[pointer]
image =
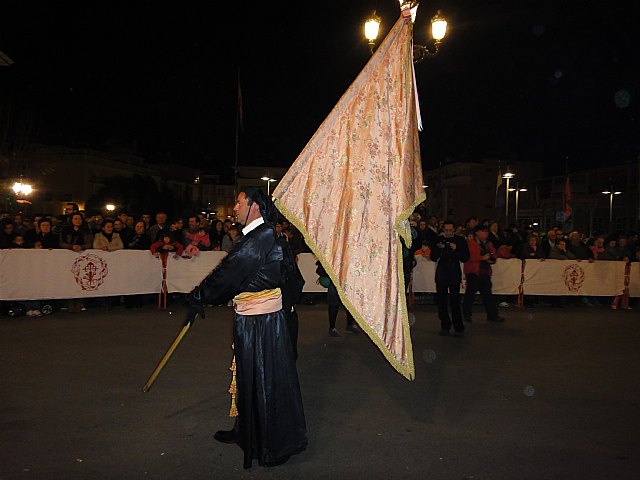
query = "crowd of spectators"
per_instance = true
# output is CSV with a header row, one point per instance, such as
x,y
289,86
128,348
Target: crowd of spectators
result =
x,y
532,244
78,231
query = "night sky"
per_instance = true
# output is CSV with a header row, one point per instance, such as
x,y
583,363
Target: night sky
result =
x,y
556,82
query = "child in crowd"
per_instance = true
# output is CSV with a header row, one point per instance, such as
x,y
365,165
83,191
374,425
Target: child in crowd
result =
x,y
167,245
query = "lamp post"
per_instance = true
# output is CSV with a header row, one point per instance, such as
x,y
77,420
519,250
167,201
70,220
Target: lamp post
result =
x,y
268,180
611,193
517,190
508,176
420,52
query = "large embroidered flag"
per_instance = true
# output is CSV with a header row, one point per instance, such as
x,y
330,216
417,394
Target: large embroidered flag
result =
x,y
353,187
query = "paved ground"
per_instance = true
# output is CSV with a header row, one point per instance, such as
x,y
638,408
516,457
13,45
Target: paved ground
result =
x,y
551,393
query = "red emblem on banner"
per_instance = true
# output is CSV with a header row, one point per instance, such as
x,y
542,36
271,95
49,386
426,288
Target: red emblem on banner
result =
x,y
573,277
89,271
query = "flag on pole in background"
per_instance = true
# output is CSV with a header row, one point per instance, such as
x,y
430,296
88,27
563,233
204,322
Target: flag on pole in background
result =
x,y
500,190
567,198
352,188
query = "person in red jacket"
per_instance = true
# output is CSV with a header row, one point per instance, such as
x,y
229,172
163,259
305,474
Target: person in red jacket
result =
x,y
477,271
166,245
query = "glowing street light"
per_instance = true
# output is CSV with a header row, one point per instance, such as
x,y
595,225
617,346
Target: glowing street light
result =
x,y
517,190
268,180
20,188
110,207
508,176
420,52
611,193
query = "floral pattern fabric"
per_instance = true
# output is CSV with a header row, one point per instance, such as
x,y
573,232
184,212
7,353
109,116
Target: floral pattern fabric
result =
x,y
353,187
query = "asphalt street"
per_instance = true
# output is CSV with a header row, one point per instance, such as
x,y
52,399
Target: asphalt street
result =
x,y
552,393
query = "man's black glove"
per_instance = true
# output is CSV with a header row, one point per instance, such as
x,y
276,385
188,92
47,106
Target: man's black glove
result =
x,y
194,302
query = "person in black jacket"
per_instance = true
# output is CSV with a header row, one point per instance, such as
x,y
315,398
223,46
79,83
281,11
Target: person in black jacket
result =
x,y
449,250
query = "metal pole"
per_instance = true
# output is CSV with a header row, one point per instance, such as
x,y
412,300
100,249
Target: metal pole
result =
x,y
507,202
517,195
611,211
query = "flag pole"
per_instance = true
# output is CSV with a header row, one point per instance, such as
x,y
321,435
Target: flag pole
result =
x,y
238,120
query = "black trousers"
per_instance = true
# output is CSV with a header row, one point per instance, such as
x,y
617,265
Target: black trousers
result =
x,y
449,295
482,284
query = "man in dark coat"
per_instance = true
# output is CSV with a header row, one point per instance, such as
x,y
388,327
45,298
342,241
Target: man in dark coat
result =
x,y
449,250
270,425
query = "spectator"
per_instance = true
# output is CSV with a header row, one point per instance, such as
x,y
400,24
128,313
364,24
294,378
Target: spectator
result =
x,y
161,228
76,236
560,251
45,238
95,222
106,239
334,303
166,245
120,226
449,251
494,234
232,237
197,242
531,250
611,251
548,243
625,252
146,218
423,251
478,274
578,247
18,225
139,240
597,249
216,234
6,234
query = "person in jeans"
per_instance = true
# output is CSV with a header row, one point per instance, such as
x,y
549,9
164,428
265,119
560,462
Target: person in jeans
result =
x,y
478,271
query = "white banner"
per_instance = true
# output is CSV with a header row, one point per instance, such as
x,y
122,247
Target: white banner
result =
x,y
184,274
634,280
45,274
506,276
307,266
569,277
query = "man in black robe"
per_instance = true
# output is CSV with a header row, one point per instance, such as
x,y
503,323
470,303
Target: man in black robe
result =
x,y
270,425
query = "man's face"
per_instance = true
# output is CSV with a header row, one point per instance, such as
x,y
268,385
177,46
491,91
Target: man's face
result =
x,y
482,235
45,227
68,209
242,208
117,225
193,222
433,221
76,220
422,225
448,230
278,228
161,218
139,228
472,223
146,218
622,242
551,235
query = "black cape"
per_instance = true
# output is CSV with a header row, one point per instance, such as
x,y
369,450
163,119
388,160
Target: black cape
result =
x,y
271,425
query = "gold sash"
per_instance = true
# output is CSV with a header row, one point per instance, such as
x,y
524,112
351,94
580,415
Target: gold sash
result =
x,y
258,303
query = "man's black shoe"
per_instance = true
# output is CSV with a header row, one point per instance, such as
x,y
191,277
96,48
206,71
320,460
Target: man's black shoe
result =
x,y
225,436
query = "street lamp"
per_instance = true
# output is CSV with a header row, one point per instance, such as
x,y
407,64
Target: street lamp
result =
x,y
508,176
611,193
420,52
268,180
110,207
20,188
517,190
